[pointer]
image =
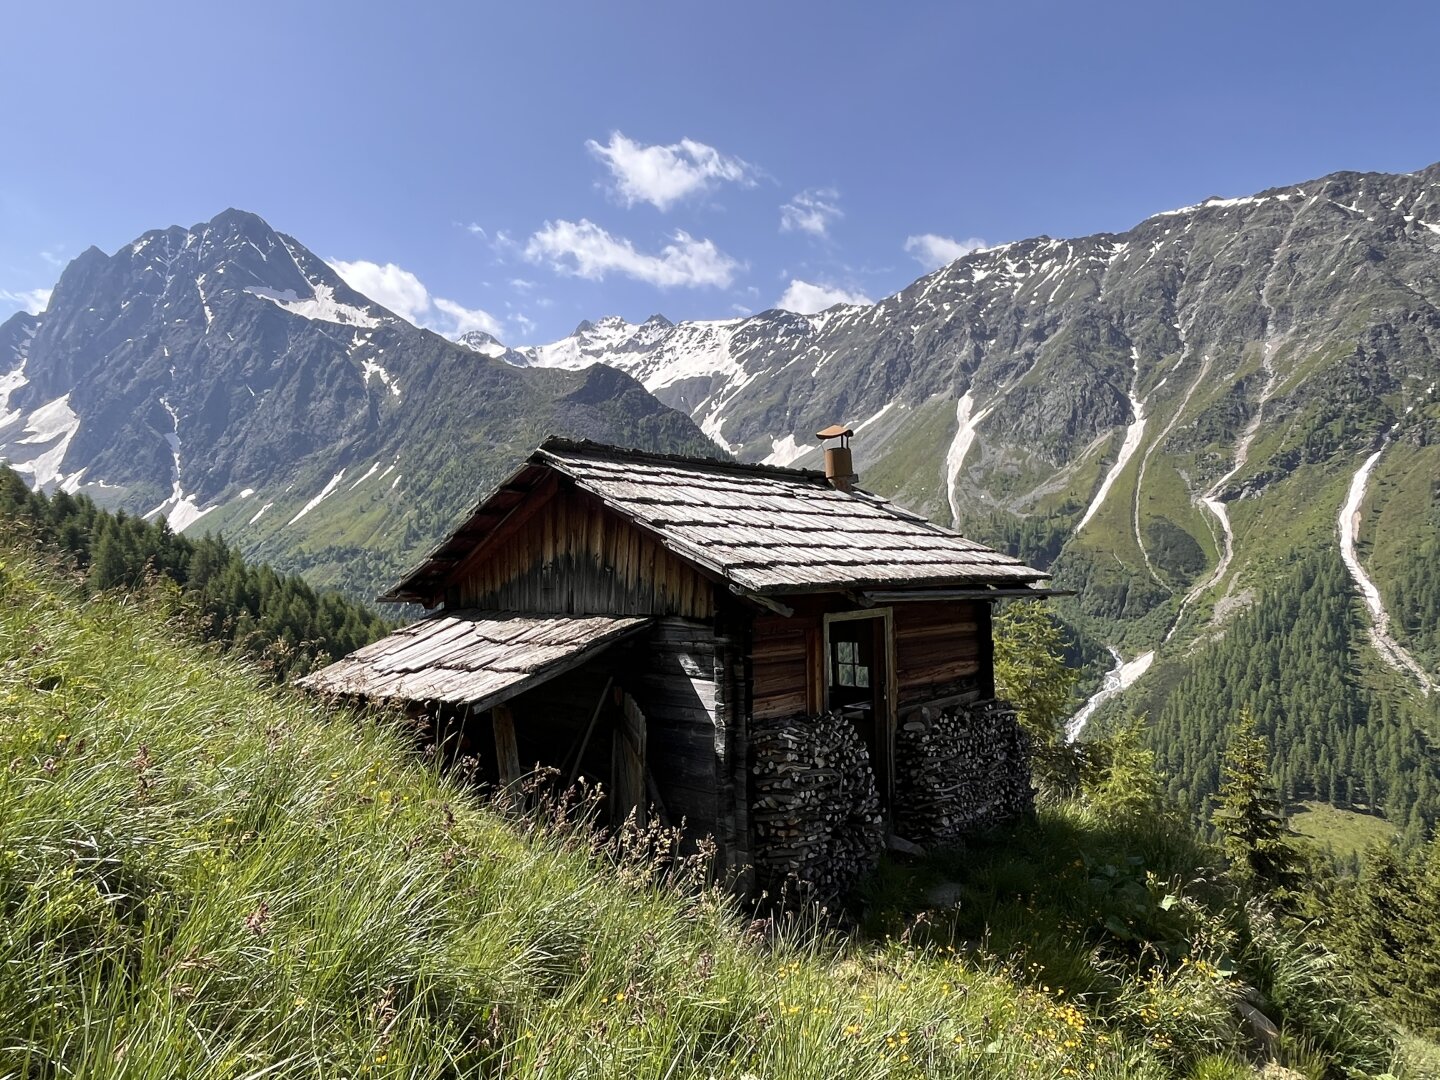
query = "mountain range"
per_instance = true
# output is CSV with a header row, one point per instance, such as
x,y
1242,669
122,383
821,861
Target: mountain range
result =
x,y
1174,418
227,378
1155,404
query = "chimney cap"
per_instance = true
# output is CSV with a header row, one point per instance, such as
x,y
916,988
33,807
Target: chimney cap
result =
x,y
834,431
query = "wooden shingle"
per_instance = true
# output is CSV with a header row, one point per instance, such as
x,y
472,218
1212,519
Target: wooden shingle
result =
x,y
764,529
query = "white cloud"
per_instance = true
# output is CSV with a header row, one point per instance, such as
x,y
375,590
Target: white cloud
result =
x,y
32,300
405,294
807,298
664,175
467,319
932,251
388,285
586,250
811,211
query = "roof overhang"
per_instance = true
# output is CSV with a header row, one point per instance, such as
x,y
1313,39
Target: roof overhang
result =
x,y
870,597
753,551
423,583
469,657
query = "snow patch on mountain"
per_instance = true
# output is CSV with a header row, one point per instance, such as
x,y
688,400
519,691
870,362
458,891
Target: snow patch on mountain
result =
x,y
9,383
657,353
784,451
371,368
44,437
180,510
322,307
967,421
1134,435
483,343
318,499
369,473
1390,650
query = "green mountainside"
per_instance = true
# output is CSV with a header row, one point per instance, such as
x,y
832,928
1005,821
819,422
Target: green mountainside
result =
x,y
1343,732
1175,419
226,378
277,620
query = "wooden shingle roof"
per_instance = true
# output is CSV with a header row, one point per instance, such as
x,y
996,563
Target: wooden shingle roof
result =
x,y
765,530
482,658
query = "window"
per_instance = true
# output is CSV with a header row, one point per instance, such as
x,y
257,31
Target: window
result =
x,y
849,669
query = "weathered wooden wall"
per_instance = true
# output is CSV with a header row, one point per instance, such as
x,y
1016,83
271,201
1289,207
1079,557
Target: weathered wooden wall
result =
x,y
572,555
941,648
786,665
672,677
674,674
732,720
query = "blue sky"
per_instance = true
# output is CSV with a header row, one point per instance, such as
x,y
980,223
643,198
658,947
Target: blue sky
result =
x,y
520,167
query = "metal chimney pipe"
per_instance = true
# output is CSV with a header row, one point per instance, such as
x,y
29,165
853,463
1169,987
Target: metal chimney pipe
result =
x,y
839,466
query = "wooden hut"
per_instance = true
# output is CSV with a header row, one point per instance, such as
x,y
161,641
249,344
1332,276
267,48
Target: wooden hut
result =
x,y
778,658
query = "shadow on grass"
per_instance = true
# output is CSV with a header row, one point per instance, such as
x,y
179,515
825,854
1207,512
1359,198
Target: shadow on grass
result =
x,y
1056,895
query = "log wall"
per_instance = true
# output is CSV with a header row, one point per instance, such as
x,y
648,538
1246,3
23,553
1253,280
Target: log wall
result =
x,y
942,648
571,555
673,678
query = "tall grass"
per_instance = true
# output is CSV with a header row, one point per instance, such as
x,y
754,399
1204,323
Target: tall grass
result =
x,y
203,875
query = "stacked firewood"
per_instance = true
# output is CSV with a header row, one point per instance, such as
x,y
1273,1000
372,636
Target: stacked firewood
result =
x,y
958,771
816,811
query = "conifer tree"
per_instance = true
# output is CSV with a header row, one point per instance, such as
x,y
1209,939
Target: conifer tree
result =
x,y
1030,672
1030,669
1256,838
1383,924
1129,786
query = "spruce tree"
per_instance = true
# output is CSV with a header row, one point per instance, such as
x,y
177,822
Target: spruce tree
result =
x,y
1256,838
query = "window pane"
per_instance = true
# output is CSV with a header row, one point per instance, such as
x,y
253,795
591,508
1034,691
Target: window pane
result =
x,y
847,674
862,676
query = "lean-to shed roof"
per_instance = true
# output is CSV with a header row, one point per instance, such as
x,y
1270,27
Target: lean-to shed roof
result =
x,y
482,658
765,530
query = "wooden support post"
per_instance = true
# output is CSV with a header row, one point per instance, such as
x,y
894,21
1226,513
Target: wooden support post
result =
x,y
589,730
629,790
507,752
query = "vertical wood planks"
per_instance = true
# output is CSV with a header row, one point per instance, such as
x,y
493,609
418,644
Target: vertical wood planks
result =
x,y
574,556
507,752
630,764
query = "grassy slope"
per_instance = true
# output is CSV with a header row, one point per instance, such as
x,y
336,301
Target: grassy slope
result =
x,y
1341,832
203,878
